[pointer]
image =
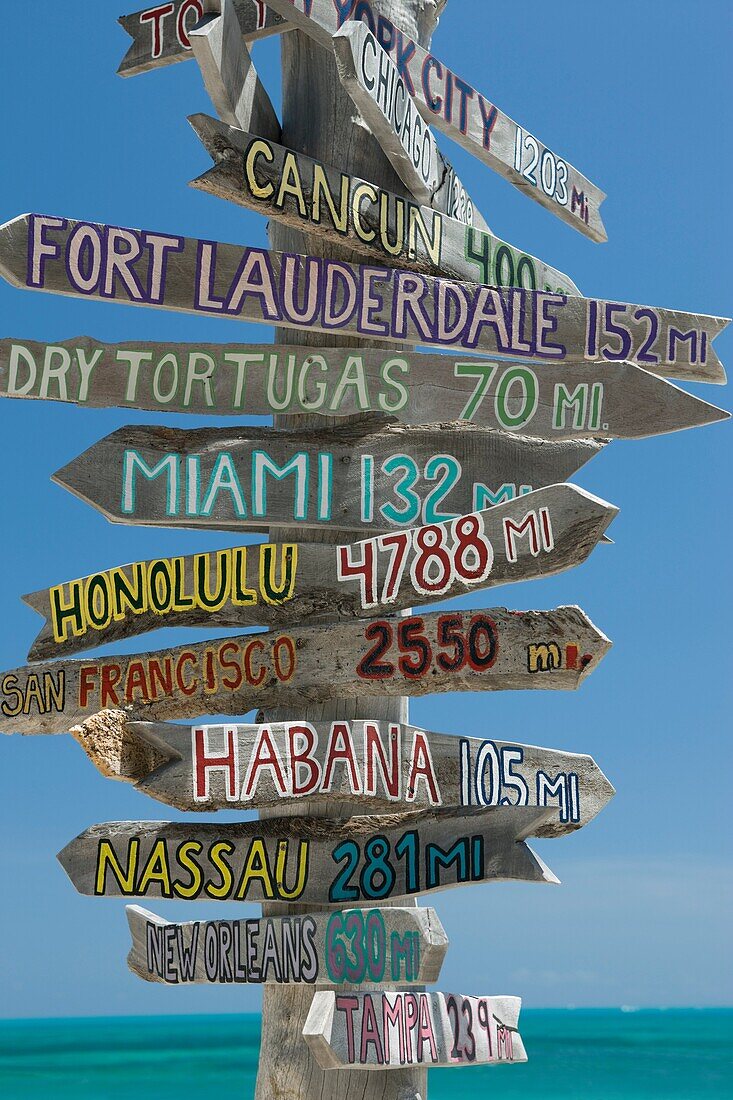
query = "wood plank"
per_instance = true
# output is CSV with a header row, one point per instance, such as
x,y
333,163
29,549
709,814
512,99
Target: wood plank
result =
x,y
546,401
349,947
282,585
139,267
161,34
464,114
376,1031
378,765
322,200
314,861
457,651
229,75
346,479
367,72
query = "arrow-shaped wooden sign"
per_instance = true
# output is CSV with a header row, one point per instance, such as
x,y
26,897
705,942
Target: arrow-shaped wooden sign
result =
x,y
161,33
462,112
283,585
378,91
455,651
387,1030
347,478
547,401
230,77
381,765
139,267
311,861
349,947
280,183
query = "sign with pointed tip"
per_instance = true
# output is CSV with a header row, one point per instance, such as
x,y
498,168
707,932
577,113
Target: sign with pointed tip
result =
x,y
348,478
379,93
545,401
348,947
228,72
381,765
164,271
280,183
452,105
284,585
494,650
386,1030
311,861
161,34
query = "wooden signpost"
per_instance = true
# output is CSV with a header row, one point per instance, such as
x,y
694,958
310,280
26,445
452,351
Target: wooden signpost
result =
x,y
377,765
495,650
319,199
462,112
349,947
164,271
347,479
311,861
374,83
282,585
229,75
545,401
380,1030
161,33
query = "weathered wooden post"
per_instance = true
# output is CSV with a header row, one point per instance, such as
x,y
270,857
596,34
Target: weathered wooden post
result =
x,y
318,120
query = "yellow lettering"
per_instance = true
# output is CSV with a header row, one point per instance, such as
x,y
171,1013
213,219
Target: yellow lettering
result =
x,y
258,149
125,879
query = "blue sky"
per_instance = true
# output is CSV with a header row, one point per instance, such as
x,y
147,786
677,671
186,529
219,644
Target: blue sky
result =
x,y
638,98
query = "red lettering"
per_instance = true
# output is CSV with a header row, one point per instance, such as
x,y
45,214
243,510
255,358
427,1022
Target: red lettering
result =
x,y
370,1032
111,676
203,764
286,643
341,747
135,681
157,675
265,755
87,674
302,759
421,766
373,747
348,1005
225,663
255,681
186,7
156,17
186,658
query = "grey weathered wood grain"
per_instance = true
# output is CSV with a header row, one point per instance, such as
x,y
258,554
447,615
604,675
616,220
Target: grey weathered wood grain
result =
x,y
367,72
497,650
377,765
279,585
464,114
406,946
348,478
379,1030
320,199
163,271
229,75
160,34
617,400
304,860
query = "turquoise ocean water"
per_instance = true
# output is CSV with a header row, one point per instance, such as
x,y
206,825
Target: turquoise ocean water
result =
x,y
574,1055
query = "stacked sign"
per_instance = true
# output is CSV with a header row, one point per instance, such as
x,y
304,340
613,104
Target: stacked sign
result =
x,y
445,477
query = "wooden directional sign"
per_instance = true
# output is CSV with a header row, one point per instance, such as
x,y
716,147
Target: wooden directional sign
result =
x,y
454,651
616,400
283,585
378,946
381,765
463,113
387,1030
379,92
139,267
311,861
347,478
161,33
229,74
264,176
